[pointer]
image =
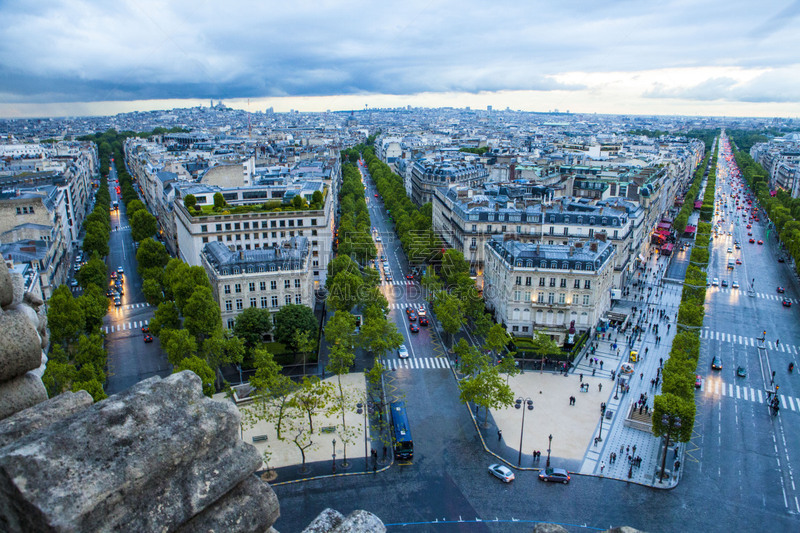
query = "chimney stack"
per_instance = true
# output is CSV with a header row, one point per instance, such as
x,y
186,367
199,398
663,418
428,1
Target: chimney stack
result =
x,y
593,246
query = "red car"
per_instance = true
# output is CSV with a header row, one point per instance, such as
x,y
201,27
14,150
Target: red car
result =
x,y
738,261
749,226
751,241
376,196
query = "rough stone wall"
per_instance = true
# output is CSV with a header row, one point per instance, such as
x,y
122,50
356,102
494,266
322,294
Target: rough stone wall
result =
x,y
23,330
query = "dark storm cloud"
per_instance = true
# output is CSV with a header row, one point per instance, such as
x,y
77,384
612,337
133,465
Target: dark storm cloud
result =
x,y
74,50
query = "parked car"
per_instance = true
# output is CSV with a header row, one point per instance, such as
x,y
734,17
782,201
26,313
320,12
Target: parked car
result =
x,y
554,474
715,282
698,381
501,472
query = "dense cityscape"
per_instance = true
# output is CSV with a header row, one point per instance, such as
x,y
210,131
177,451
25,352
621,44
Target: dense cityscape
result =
x,y
446,267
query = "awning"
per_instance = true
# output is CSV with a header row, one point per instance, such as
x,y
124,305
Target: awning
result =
x,y
698,204
667,247
664,226
690,229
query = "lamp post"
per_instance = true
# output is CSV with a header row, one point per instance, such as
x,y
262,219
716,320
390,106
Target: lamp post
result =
x,y
518,405
549,442
616,390
602,416
672,422
334,455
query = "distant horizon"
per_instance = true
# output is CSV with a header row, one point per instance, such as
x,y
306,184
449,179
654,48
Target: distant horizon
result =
x,y
340,103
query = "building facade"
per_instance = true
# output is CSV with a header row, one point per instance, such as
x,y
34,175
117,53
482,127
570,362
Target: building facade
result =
x,y
268,278
544,288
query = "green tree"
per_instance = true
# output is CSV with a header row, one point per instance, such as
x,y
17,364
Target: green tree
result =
x,y
143,225
471,360
189,201
275,391
291,318
94,271
486,389
341,329
298,202
90,351
151,289
165,317
58,375
343,290
94,303
378,335
151,254
312,396
178,344
185,281
544,347
342,263
317,199
340,359
450,313
65,318
201,368
673,406
453,265
222,348
252,325
93,387
201,315
134,206
219,201
95,241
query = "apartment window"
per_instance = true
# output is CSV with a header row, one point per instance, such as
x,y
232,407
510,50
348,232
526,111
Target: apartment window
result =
x,y
315,264
563,283
288,299
228,238
274,301
541,282
204,228
524,329
519,280
585,299
503,229
577,284
274,234
313,221
527,296
264,224
227,289
273,224
231,323
205,240
566,232
552,282
561,298
247,237
282,223
219,227
519,229
299,222
273,285
528,281
247,225
616,233
313,233
297,299
291,223
30,210
283,234
238,288
474,228
551,297
228,305
251,286
238,236
591,232
262,285
219,238
228,226
488,228
297,283
19,211
252,302
540,298
287,284
263,302
514,328
239,304
587,284
517,295
552,230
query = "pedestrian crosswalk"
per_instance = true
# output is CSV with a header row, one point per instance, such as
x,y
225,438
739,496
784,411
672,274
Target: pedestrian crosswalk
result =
x,y
767,296
134,324
720,389
421,363
400,282
416,307
748,341
135,306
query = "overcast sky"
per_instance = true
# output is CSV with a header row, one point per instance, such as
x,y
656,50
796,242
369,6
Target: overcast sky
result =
x,y
736,58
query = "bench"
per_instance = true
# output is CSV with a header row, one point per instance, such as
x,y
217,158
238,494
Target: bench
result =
x,y
328,429
259,438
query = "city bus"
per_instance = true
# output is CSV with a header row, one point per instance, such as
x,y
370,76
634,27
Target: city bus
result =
x,y
403,445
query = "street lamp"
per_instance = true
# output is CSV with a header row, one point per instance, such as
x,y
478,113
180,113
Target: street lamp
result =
x,y
616,390
602,416
334,455
672,422
517,405
549,442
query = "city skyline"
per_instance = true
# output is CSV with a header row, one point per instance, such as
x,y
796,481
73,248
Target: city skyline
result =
x,y
88,58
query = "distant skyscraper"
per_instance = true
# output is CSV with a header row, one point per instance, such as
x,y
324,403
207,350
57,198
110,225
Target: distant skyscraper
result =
x,y
488,108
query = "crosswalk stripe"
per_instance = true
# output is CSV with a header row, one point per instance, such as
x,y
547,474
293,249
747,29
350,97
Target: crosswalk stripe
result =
x,y
737,393
791,403
760,397
783,401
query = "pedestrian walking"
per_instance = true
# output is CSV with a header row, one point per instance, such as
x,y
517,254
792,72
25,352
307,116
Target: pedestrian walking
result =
x,y
581,375
641,377
499,435
593,370
633,450
660,361
602,467
601,365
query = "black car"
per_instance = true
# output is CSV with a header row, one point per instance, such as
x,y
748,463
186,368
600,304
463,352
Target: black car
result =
x,y
716,363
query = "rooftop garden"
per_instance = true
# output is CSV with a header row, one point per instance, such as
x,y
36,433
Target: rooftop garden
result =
x,y
221,207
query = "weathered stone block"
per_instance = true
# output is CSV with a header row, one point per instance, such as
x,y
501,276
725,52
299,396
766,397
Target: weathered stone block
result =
x,y
251,507
42,415
6,287
361,522
326,521
21,349
147,459
20,393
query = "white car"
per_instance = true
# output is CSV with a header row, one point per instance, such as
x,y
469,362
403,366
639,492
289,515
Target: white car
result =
x,y
378,238
715,282
501,472
421,311
402,352
735,284
120,270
